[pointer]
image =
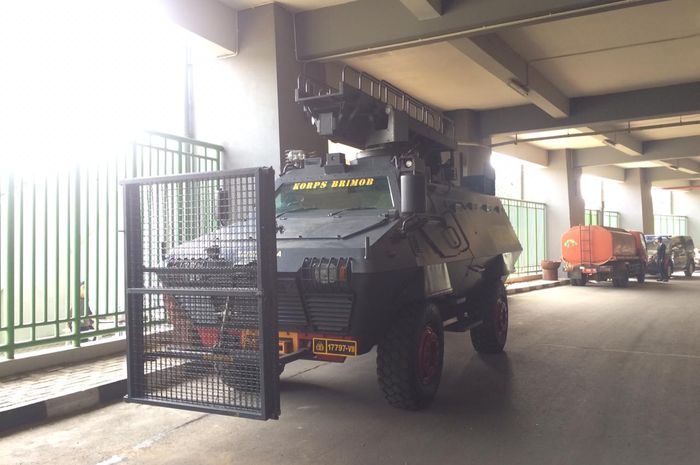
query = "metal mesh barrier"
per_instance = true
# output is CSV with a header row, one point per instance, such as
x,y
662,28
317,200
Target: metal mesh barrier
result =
x,y
201,315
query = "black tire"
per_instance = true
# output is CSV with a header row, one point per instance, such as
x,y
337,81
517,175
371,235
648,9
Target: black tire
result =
x,y
578,281
240,373
409,358
240,376
669,272
620,281
490,336
641,277
690,270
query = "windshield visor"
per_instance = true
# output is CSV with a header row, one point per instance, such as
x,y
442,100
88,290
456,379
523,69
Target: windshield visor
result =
x,y
335,194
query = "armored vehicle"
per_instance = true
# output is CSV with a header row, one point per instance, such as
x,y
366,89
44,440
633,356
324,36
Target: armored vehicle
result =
x,y
389,250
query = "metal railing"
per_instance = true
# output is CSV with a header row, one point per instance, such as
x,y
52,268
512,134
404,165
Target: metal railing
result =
x,y
62,244
529,220
610,219
671,225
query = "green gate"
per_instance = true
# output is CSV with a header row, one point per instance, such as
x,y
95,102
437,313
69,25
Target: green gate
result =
x,y
529,222
62,243
670,225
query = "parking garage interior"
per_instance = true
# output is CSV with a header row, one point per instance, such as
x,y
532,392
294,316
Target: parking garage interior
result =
x,y
572,112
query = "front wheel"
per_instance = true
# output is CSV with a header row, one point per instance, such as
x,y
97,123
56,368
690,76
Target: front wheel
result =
x,y
490,336
409,358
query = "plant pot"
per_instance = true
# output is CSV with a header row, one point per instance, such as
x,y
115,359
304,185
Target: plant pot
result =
x,y
550,270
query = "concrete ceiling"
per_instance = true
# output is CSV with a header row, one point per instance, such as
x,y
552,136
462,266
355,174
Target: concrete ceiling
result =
x,y
440,75
643,46
292,5
640,164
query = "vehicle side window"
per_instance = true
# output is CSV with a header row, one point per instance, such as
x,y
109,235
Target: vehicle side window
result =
x,y
689,244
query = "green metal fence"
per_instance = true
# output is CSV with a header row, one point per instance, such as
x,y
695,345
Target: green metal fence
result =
x,y
671,225
609,218
529,222
62,246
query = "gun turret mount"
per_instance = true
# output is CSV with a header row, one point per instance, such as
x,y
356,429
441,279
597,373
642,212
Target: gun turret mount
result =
x,y
364,112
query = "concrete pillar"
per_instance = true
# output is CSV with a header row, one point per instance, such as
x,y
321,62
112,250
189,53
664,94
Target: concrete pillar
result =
x,y
246,102
477,161
687,203
693,214
560,189
476,151
632,198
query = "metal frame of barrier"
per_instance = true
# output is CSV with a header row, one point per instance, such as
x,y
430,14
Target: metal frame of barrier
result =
x,y
201,263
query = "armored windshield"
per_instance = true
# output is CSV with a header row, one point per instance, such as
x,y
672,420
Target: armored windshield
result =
x,y
336,194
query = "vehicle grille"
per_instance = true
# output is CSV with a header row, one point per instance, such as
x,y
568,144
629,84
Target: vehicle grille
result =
x,y
326,312
329,312
290,310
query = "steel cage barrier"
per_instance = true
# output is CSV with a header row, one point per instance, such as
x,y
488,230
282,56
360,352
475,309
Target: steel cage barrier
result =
x,y
215,348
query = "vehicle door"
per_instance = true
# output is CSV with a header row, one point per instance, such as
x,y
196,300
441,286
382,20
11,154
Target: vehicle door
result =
x,y
689,248
678,254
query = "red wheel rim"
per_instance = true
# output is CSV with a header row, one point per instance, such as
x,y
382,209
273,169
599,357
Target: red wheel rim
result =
x,y
428,355
500,317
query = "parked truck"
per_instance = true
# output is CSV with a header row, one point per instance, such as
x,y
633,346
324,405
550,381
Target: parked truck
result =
x,y
599,253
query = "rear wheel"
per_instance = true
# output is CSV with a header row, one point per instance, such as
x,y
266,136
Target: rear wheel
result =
x,y
690,270
409,358
490,337
579,281
641,276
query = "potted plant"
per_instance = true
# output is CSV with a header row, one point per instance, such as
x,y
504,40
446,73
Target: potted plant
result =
x,y
550,270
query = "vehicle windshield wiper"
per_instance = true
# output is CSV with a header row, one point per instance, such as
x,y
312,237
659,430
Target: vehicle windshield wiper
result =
x,y
350,209
293,210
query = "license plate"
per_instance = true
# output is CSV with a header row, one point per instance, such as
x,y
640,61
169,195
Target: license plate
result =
x,y
323,346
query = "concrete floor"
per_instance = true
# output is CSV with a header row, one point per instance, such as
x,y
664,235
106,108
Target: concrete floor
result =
x,y
592,375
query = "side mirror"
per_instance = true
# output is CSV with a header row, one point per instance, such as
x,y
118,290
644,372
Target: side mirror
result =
x,y
413,193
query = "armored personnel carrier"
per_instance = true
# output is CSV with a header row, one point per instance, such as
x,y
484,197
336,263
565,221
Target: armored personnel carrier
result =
x,y
389,250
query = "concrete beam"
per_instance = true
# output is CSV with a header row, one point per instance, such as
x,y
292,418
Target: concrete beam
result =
x,y
667,149
614,173
333,32
678,99
525,152
424,9
674,184
664,174
622,141
494,55
209,19
685,165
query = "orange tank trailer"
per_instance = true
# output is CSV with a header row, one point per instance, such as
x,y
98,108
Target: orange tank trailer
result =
x,y
598,253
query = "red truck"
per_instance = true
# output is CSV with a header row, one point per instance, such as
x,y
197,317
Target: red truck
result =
x,y
599,253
